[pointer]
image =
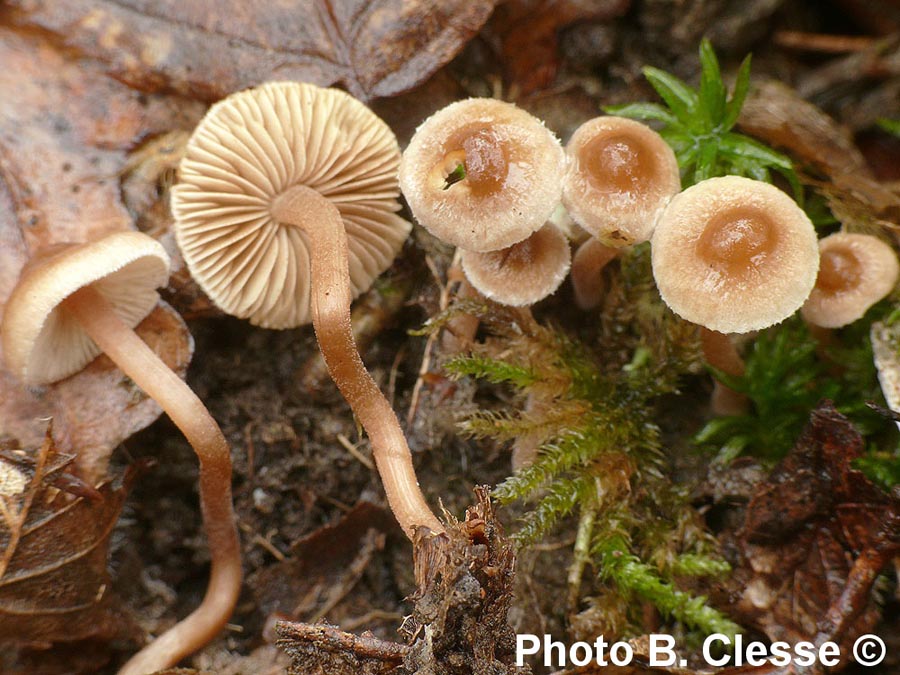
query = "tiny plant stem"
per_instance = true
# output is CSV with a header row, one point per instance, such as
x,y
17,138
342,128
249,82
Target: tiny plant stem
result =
x,y
720,352
587,272
181,404
455,176
319,219
581,552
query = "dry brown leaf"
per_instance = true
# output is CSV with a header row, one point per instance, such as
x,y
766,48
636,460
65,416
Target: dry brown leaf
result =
x,y
777,115
54,583
210,49
529,31
808,525
66,132
66,135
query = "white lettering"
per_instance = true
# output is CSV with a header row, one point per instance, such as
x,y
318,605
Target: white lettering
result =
x,y
662,645
707,649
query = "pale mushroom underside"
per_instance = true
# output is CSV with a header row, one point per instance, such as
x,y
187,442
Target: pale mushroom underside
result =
x,y
251,148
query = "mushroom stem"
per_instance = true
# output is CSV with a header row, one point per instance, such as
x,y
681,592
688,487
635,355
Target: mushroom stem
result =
x,y
587,272
181,404
321,222
720,352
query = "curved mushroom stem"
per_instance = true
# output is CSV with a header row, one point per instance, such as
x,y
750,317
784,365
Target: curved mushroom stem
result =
x,y
181,404
320,220
719,352
587,272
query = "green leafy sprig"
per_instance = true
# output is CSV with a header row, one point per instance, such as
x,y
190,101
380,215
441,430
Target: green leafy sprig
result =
x,y
698,123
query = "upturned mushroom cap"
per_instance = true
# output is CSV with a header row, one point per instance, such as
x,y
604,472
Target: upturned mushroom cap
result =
x,y
620,175
734,255
249,149
855,272
513,172
523,273
41,344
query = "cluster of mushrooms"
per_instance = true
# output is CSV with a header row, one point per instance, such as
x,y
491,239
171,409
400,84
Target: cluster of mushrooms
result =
x,y
287,208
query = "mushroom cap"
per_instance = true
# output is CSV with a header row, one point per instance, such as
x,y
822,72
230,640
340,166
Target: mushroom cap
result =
x,y
734,255
513,182
856,271
619,177
523,273
41,343
249,149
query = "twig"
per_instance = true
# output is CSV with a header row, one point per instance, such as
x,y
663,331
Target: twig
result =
x,y
353,450
332,639
819,42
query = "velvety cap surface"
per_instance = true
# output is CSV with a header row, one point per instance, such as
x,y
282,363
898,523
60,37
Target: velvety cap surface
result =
x,y
513,174
856,271
524,273
620,174
734,255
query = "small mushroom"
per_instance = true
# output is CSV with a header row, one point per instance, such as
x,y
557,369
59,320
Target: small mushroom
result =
x,y
482,174
286,209
523,273
78,300
855,272
619,177
734,255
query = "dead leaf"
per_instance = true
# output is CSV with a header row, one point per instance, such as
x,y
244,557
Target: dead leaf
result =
x,y
208,50
64,141
54,582
323,566
808,527
529,32
64,138
777,115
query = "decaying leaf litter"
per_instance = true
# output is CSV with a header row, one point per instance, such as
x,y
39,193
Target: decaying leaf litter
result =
x,y
103,92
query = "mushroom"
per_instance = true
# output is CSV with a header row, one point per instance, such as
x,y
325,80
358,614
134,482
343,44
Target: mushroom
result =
x,y
856,271
734,255
78,300
482,174
286,209
523,273
620,175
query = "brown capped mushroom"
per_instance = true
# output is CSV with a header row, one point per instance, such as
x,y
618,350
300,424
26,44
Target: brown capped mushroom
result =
x,y
620,175
734,255
286,209
523,273
482,174
856,271
81,299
